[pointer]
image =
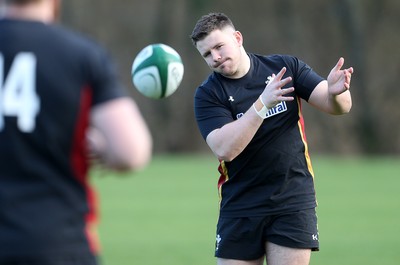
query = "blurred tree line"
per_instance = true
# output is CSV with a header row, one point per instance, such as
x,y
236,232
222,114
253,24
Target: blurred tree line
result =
x,y
364,32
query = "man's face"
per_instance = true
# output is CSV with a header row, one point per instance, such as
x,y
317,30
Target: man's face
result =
x,y
221,51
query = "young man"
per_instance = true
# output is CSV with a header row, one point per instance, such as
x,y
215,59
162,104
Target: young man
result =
x,y
54,86
249,113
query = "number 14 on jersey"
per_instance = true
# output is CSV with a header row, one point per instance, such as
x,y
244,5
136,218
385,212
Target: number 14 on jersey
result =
x,y
18,96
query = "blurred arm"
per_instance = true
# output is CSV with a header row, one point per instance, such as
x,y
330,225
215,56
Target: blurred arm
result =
x,y
119,136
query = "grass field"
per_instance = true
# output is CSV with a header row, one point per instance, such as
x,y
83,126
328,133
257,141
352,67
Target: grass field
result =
x,y
167,213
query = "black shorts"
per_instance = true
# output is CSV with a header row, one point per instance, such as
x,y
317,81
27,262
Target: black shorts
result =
x,y
68,260
245,238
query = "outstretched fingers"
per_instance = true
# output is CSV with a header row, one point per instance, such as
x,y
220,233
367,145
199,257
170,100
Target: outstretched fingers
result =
x,y
281,73
339,79
285,91
281,83
347,76
277,79
339,64
274,93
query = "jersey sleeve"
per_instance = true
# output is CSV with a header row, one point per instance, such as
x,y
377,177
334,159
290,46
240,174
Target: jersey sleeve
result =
x,y
304,77
103,77
209,110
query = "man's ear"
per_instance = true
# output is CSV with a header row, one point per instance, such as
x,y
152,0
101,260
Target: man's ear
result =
x,y
239,38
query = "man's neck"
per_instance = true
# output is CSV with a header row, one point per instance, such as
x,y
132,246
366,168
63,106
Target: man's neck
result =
x,y
244,65
35,12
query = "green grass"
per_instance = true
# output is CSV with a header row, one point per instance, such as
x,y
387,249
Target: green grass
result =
x,y
359,210
167,213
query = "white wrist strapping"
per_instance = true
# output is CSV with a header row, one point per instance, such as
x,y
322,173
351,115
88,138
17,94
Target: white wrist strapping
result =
x,y
264,110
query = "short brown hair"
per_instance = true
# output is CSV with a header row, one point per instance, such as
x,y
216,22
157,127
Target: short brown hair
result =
x,y
208,23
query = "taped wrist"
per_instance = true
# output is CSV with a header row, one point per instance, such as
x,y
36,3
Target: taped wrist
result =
x,y
263,111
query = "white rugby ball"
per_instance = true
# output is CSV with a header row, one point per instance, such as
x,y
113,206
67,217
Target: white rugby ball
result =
x,y
157,71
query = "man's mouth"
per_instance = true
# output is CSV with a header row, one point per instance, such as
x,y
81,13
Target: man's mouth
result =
x,y
218,64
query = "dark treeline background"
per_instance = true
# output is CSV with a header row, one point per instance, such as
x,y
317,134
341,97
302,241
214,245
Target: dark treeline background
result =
x,y
364,32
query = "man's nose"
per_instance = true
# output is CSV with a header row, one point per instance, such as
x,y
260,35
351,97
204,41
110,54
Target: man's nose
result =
x,y
216,56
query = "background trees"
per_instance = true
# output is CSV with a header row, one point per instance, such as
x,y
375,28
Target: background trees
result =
x,y
365,32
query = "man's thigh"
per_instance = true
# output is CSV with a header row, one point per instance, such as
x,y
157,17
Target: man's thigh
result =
x,y
280,255
221,261
276,255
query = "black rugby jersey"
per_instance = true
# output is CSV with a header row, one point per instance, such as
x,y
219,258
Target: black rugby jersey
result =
x,y
273,173
49,80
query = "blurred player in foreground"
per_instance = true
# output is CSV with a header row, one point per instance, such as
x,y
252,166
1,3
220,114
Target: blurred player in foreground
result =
x,y
54,86
249,113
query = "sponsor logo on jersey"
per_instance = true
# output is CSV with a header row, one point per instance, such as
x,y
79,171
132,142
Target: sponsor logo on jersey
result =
x,y
279,108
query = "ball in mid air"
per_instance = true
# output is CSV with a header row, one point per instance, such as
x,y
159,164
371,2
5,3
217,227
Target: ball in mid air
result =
x,y
157,71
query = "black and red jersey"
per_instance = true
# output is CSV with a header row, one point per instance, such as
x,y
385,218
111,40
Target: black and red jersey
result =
x,y
50,78
273,174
